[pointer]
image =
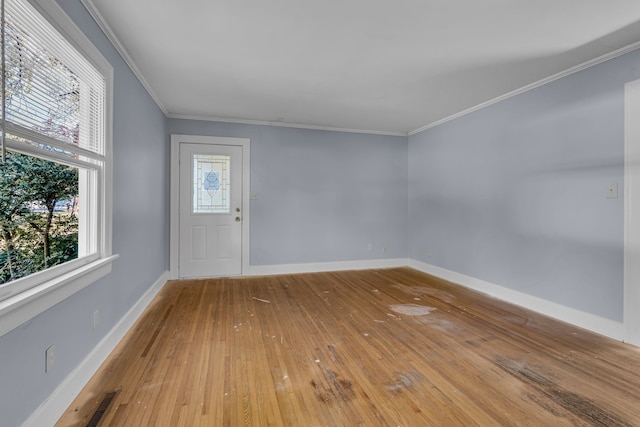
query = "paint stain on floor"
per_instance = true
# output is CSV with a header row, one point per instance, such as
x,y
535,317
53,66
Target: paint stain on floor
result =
x,y
411,309
403,381
440,324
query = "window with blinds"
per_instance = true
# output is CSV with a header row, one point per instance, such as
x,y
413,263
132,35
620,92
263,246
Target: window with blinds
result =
x,y
54,98
53,175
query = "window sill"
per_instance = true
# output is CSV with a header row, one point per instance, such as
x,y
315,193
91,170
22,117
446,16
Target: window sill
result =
x,y
26,305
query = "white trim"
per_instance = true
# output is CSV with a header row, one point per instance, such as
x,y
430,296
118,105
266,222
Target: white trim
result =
x,y
106,210
52,409
41,277
106,29
546,80
22,132
174,235
632,213
282,124
26,305
570,315
316,267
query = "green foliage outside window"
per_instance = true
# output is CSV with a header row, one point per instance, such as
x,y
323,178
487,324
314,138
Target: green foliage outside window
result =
x,y
38,215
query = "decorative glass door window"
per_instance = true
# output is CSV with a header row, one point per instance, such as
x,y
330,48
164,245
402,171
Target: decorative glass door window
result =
x,y
211,184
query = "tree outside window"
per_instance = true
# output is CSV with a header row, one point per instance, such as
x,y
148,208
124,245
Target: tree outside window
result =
x,y
38,215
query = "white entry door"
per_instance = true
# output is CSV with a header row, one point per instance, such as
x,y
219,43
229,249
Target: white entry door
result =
x,y
210,223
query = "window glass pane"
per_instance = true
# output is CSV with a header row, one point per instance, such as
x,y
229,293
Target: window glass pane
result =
x,y
211,186
38,215
42,93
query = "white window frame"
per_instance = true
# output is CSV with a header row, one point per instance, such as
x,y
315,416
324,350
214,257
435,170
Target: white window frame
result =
x,y
43,290
631,310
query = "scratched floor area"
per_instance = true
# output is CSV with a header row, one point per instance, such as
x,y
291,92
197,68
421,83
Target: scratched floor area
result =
x,y
390,347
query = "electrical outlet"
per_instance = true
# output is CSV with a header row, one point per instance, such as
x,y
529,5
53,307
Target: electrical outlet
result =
x,y
370,247
429,253
96,319
49,359
384,249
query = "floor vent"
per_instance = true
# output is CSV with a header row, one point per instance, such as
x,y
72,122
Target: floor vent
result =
x,y
102,408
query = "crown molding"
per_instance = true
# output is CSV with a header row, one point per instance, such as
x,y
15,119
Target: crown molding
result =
x,y
546,80
102,23
93,11
286,125
106,29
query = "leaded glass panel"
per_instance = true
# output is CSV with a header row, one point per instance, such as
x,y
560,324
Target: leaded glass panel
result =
x,y
211,183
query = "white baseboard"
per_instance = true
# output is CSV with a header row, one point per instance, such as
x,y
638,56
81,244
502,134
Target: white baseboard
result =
x,y
316,267
52,409
566,314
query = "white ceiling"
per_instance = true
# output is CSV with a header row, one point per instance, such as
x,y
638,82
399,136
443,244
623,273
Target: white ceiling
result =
x,y
373,65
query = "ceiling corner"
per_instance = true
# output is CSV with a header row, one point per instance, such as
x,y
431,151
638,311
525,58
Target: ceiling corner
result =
x,y
106,29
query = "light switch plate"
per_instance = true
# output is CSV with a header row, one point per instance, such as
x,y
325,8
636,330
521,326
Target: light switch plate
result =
x,y
612,191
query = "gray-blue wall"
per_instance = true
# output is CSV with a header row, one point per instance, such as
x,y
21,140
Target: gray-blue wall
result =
x,y
514,194
140,236
321,196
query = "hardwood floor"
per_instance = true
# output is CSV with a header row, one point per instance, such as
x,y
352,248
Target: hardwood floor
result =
x,y
361,348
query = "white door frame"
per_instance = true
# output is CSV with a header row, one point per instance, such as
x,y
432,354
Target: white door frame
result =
x,y
631,319
174,206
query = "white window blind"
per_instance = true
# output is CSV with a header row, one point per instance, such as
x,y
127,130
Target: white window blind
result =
x,y
54,97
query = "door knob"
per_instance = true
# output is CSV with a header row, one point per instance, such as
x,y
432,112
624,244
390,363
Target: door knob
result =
x,y
237,219
237,209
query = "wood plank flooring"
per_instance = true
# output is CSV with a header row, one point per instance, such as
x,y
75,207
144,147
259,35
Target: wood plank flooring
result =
x,y
360,348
